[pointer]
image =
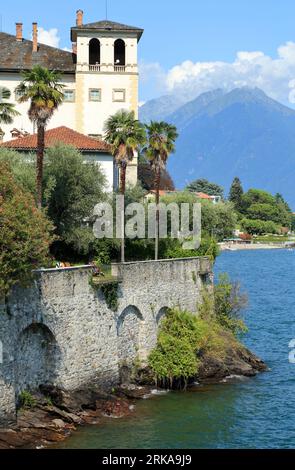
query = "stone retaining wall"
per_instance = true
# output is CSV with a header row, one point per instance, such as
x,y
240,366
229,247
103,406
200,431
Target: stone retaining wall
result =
x,y
62,331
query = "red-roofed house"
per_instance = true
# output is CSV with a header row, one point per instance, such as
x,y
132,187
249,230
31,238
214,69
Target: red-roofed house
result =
x,y
214,199
93,150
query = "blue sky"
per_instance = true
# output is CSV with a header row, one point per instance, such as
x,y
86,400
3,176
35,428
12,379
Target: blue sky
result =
x,y
200,38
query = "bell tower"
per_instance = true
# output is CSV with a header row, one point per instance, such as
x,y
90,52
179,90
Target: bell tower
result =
x,y
106,71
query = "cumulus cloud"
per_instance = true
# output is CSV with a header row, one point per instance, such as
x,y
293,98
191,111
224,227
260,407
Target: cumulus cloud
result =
x,y
275,76
153,76
49,37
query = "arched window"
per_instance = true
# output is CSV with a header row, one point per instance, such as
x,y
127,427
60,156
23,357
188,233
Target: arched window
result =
x,y
94,52
119,54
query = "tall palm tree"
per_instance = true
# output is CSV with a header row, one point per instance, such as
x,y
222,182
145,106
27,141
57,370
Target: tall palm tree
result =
x,y
161,138
42,89
125,134
7,110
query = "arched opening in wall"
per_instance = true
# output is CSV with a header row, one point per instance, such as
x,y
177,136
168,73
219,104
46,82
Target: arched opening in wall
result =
x,y
161,315
37,357
129,335
94,52
119,53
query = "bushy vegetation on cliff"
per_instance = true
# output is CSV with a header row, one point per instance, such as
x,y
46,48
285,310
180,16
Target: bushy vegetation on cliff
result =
x,y
25,233
185,338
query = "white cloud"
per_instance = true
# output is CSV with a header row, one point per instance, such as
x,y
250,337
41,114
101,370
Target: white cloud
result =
x,y
49,37
141,103
153,76
275,76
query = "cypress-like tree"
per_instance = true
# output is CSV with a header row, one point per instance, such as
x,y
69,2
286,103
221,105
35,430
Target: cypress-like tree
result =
x,y
236,194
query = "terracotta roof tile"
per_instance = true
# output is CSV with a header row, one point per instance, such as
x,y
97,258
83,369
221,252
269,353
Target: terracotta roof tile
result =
x,y
59,135
203,196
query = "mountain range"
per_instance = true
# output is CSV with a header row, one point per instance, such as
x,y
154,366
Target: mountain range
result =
x,y
241,133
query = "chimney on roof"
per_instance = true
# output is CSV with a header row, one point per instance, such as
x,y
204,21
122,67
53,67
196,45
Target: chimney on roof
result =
x,y
74,48
79,20
35,37
19,31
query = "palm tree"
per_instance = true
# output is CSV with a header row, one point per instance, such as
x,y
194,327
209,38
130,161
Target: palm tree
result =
x,y
41,87
7,110
125,134
161,138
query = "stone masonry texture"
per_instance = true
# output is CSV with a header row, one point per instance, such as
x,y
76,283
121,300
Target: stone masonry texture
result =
x,y
61,331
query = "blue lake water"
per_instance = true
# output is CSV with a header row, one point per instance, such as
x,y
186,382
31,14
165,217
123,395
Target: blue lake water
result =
x,y
251,413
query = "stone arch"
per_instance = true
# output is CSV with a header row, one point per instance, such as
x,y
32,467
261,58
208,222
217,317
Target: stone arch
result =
x,y
36,358
129,335
161,314
120,52
94,52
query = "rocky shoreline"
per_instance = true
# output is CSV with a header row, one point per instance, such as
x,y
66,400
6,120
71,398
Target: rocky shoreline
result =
x,y
56,413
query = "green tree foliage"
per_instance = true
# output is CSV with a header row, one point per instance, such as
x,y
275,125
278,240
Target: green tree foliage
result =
x,y
236,194
126,135
184,338
259,227
25,233
7,110
72,189
204,186
22,167
228,303
161,138
218,220
261,205
42,88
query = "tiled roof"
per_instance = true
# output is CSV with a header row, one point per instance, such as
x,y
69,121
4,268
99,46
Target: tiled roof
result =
x,y
19,55
107,26
203,196
59,135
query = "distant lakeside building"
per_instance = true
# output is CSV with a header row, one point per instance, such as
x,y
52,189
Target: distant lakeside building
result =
x,y
100,77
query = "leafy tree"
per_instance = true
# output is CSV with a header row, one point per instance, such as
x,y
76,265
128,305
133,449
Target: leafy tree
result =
x,y
236,194
161,143
218,220
256,196
264,212
7,110
259,227
42,88
226,220
22,167
204,186
125,134
229,301
261,205
72,189
25,233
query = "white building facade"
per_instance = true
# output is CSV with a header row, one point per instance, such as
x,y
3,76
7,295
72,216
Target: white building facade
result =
x,y
100,76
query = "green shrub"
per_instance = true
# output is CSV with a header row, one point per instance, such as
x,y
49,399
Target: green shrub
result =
x,y
183,338
228,302
26,400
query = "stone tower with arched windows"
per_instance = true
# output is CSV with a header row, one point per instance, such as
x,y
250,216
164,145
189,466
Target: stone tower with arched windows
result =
x,y
100,77
106,74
